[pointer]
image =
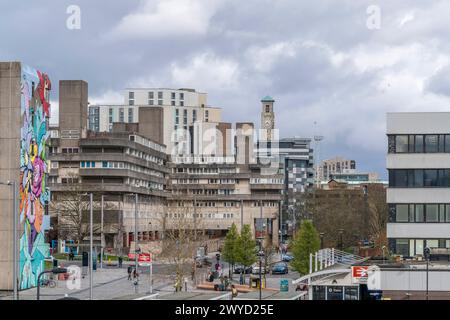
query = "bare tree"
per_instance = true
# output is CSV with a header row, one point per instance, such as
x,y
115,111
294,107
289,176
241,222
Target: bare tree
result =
x,y
181,240
378,214
72,208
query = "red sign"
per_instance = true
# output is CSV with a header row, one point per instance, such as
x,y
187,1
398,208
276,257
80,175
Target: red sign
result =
x,y
359,272
145,257
142,257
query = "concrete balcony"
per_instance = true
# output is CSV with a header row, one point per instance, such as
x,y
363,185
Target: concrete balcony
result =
x,y
418,230
105,188
106,172
266,186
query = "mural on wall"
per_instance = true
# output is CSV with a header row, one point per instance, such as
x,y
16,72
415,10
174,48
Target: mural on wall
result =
x,y
33,194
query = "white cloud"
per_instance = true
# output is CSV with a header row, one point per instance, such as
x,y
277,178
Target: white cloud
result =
x,y
107,97
407,18
167,18
206,71
263,58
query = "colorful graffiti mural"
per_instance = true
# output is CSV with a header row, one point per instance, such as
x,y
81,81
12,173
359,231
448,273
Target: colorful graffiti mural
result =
x,y
33,194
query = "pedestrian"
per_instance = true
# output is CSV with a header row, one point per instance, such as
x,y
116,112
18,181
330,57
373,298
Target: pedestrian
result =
x,y
211,277
130,270
120,261
234,291
206,249
185,283
241,279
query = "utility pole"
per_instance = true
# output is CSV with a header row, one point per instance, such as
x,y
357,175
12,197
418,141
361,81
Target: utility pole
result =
x,y
101,238
136,238
91,245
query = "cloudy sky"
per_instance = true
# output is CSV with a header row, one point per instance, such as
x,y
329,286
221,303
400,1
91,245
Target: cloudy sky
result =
x,y
325,61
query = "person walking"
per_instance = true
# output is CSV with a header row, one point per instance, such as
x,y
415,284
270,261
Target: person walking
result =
x,y
120,261
234,291
129,270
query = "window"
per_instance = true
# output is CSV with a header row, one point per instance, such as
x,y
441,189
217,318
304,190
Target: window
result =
x,y
402,247
418,178
131,98
267,108
181,96
130,115
181,103
400,178
430,178
444,178
184,116
402,213
121,115
160,102
111,115
401,144
447,143
105,164
194,115
206,115
419,213
151,95
172,95
431,143
441,143
173,103
418,144
432,213
160,95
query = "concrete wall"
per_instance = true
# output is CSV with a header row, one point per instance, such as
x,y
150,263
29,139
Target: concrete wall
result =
x,y
418,122
418,161
10,74
73,99
151,123
419,230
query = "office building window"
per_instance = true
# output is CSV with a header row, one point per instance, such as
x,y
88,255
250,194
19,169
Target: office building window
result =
x,y
402,213
194,115
181,103
428,143
181,96
111,115
401,144
130,115
402,247
185,116
172,95
431,143
131,98
160,95
173,102
206,115
121,115
419,178
177,114
150,98
160,102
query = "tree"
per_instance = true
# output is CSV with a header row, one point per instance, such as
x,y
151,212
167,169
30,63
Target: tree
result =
x,y
230,248
72,208
180,242
246,251
306,241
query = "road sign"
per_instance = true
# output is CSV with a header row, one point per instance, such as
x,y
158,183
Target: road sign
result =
x,y
359,274
145,259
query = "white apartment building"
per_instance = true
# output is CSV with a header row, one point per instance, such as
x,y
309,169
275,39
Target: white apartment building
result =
x,y
181,109
418,196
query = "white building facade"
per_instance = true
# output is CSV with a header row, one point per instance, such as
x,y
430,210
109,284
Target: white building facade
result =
x,y
418,196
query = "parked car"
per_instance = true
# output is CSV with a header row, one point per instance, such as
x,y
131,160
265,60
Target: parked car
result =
x,y
287,257
280,268
255,268
201,261
238,269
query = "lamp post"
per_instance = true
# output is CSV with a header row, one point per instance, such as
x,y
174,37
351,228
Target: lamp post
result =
x,y
91,248
341,241
101,235
321,239
427,253
54,271
261,256
15,222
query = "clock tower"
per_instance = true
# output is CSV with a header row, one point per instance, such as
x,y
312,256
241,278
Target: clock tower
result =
x,y
267,118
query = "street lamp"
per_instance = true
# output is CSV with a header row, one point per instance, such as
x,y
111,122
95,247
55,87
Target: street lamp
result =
x,y
427,253
136,238
13,184
321,239
341,242
54,271
91,245
261,256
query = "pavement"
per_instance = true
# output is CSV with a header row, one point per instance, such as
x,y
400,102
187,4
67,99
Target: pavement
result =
x,y
111,282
